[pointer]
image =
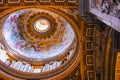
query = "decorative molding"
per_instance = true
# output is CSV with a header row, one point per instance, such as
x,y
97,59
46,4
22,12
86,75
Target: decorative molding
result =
x,y
89,32
45,0
89,45
59,0
74,75
30,1
13,1
89,60
41,3
90,75
72,1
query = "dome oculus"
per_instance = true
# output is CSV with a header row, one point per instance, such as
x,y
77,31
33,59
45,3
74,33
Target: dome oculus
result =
x,y
41,25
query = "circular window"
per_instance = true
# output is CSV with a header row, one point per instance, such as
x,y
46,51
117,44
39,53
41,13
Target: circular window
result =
x,y
41,25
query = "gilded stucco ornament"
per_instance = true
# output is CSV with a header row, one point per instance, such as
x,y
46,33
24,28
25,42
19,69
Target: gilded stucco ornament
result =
x,y
23,33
